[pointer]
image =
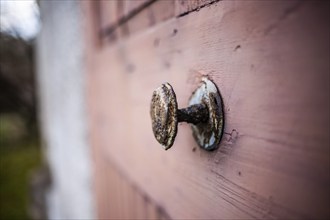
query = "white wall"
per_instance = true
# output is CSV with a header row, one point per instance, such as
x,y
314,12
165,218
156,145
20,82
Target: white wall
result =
x,y
61,80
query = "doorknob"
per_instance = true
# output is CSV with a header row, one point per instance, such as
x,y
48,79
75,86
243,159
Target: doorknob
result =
x,y
204,113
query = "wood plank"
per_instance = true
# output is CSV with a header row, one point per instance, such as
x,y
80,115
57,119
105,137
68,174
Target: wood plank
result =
x,y
109,13
273,74
140,206
118,198
155,13
131,5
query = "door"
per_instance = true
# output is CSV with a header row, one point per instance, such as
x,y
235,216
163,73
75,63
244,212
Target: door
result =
x,y
270,62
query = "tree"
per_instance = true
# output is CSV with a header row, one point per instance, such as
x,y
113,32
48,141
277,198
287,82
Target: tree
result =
x,y
17,83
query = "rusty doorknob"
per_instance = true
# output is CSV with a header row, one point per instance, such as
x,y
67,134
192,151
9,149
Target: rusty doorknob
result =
x,y
204,113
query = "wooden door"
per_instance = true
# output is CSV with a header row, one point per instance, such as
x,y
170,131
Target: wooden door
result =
x,y
270,61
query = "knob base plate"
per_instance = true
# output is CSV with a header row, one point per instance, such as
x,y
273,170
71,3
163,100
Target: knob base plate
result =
x,y
208,134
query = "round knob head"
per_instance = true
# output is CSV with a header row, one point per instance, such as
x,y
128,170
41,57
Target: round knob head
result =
x,y
163,112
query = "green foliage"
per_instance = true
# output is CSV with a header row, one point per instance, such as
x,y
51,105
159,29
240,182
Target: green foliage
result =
x,y
17,81
17,160
19,149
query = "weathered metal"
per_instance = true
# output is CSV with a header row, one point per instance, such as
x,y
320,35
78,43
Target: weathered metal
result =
x,y
208,134
204,113
193,114
163,112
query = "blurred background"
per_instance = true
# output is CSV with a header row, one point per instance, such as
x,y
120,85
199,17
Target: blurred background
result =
x,y
21,166
40,61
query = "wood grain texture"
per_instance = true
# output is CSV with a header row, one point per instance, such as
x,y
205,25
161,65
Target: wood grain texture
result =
x,y
119,198
270,61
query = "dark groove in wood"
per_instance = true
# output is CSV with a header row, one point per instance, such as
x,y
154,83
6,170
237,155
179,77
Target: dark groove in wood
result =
x,y
111,29
197,8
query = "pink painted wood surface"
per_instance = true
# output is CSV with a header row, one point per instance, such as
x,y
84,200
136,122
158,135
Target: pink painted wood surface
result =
x,y
270,61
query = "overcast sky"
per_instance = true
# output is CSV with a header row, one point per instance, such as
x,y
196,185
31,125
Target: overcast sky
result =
x,y
20,17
